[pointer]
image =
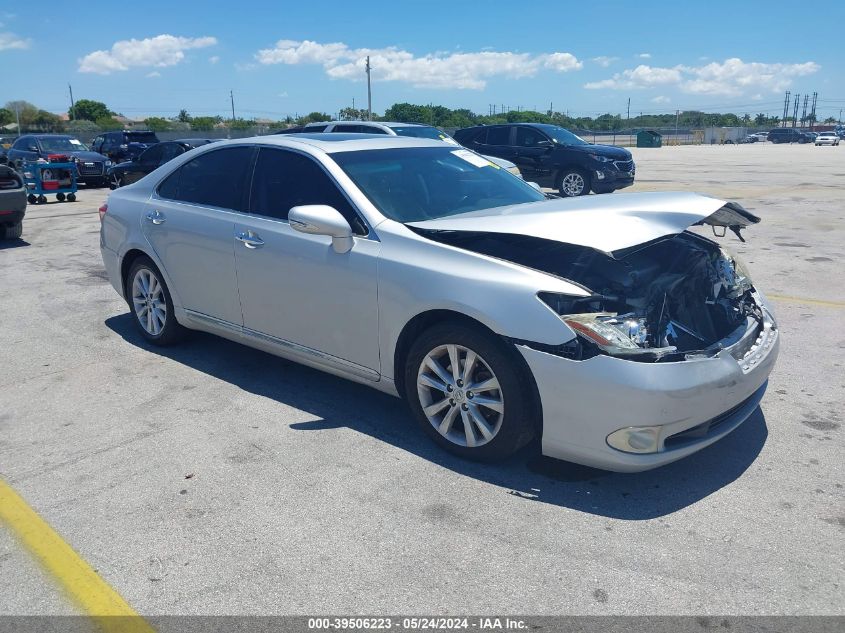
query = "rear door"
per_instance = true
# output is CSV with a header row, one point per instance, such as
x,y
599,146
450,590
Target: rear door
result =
x,y
294,287
190,224
496,141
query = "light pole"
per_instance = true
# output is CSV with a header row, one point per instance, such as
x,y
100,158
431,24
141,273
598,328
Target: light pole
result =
x,y
369,93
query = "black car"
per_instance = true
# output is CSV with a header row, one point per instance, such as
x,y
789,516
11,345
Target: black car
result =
x,y
12,203
131,171
788,135
90,166
123,145
553,156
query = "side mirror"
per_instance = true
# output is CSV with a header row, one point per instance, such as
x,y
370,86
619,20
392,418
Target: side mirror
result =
x,y
544,143
321,219
32,148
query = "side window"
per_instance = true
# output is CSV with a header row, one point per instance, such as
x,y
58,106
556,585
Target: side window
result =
x,y
316,128
152,156
95,144
528,137
348,128
371,129
480,137
283,180
216,179
498,136
169,151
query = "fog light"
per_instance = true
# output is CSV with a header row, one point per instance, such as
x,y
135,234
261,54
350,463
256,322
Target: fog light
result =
x,y
600,175
635,439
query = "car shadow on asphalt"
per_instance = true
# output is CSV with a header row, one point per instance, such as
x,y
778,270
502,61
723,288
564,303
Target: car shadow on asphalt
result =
x,y
18,243
528,475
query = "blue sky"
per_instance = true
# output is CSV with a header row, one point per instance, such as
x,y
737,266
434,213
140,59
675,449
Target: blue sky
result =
x,y
281,58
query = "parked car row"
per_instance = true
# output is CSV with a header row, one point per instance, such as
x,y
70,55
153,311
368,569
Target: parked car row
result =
x,y
548,155
91,167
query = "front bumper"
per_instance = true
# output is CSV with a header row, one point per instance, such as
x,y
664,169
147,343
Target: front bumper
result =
x,y
611,178
693,402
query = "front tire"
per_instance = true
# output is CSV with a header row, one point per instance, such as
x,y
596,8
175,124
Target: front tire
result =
x,y
573,183
470,393
151,305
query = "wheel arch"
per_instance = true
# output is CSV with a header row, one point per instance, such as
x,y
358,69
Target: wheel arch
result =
x,y
424,320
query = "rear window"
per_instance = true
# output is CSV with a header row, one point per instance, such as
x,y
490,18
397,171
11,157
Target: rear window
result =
x,y
141,137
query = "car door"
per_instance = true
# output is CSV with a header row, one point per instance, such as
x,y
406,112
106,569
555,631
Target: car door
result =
x,y
294,288
531,152
190,222
496,142
24,149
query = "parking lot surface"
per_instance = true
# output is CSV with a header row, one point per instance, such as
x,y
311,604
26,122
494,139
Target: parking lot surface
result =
x,y
210,478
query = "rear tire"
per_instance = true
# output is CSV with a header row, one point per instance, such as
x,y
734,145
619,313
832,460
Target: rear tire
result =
x,y
573,182
13,232
486,409
151,305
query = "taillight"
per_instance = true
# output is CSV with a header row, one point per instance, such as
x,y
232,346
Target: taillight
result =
x,y
103,209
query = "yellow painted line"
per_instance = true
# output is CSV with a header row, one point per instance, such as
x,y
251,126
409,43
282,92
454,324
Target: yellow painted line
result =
x,y
93,595
817,302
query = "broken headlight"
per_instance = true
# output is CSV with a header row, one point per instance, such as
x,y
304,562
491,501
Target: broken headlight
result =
x,y
731,274
616,335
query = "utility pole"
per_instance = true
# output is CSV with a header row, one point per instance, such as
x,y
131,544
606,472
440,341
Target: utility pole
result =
x,y
677,115
70,89
804,111
369,93
795,110
232,99
785,109
18,116
813,111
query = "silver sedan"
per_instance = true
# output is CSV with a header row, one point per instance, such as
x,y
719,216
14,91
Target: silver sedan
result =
x,y
600,326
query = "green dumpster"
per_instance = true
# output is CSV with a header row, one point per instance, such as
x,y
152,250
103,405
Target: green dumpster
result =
x,y
649,138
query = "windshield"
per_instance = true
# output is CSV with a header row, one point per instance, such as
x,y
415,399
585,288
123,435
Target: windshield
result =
x,y
422,183
62,144
141,137
424,131
561,135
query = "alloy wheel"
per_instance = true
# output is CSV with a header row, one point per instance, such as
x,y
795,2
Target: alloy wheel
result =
x,y
460,395
573,184
149,302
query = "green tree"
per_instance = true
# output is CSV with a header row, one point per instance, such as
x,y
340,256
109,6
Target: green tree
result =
x,y
204,123
6,116
313,117
830,120
157,124
25,110
352,114
108,123
82,128
241,124
89,110
183,116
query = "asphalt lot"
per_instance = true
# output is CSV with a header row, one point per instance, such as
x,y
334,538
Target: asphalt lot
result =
x,y
213,479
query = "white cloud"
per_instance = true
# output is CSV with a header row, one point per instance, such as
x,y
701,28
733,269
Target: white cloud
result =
x,y
432,70
644,55
10,41
155,73
640,77
604,61
733,77
213,59
158,51
660,99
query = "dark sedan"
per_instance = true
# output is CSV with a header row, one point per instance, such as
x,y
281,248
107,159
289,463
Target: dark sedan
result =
x,y
153,157
90,166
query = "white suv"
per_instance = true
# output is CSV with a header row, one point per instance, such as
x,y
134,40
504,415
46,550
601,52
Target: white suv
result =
x,y
416,130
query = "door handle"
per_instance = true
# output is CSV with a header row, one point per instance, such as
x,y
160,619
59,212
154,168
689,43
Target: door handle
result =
x,y
249,239
156,217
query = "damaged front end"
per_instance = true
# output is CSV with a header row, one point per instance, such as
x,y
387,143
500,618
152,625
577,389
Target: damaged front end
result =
x,y
671,300
675,298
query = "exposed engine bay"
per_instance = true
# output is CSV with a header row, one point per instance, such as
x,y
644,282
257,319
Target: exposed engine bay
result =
x,y
663,300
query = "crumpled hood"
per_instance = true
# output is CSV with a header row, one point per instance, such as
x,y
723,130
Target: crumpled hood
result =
x,y
607,223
